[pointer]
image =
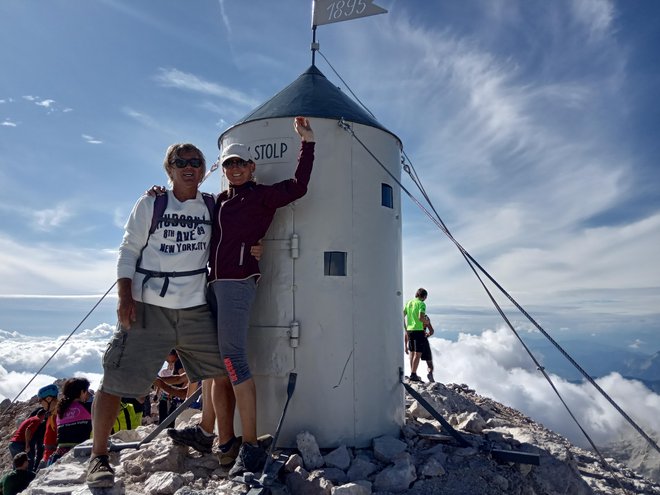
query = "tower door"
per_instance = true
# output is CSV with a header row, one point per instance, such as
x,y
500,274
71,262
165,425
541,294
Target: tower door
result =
x,y
270,350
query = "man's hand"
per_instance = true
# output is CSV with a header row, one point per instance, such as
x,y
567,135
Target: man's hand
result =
x,y
126,313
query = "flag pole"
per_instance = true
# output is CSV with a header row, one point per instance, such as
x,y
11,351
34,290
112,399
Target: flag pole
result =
x,y
315,45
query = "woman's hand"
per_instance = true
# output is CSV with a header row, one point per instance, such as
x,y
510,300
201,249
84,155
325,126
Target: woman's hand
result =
x,y
257,250
304,129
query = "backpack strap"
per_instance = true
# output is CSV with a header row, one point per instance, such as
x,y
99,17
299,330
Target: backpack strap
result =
x,y
210,204
160,205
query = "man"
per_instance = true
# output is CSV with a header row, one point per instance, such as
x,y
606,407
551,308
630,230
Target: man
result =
x,y
26,437
161,279
414,316
17,480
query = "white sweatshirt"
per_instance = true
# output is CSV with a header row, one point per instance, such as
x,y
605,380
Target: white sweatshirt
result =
x,y
172,247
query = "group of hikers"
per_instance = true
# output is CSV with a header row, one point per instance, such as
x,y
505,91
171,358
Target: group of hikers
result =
x,y
187,274
62,421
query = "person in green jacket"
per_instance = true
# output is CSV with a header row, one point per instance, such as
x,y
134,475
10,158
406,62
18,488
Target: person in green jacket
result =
x,y
17,480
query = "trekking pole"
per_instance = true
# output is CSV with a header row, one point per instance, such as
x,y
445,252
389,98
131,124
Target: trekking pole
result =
x,y
85,450
289,392
58,349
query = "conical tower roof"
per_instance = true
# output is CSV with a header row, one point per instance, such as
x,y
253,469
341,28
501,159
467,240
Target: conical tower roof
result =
x,y
311,95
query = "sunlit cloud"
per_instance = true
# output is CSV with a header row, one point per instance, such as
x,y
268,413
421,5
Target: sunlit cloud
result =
x,y
596,15
8,123
36,268
225,17
495,365
142,118
52,218
91,140
45,103
175,78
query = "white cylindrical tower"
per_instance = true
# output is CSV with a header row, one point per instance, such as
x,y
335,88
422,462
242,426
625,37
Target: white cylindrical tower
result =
x,y
329,304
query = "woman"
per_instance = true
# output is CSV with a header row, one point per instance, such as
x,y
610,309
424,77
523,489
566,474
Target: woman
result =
x,y
243,214
74,419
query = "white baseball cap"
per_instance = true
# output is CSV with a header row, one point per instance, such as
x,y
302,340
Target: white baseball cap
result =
x,y
236,150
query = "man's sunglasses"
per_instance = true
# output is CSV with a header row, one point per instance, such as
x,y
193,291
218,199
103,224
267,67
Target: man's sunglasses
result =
x,y
193,162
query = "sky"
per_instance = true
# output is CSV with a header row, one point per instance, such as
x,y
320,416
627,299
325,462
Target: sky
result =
x,y
532,125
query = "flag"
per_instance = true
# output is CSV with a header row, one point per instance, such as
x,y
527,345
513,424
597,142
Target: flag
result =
x,y
328,11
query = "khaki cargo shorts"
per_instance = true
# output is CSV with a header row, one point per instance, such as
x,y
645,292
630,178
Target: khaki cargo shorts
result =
x,y
135,356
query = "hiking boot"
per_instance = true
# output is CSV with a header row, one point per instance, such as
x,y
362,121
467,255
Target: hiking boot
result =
x,y
192,436
99,473
430,377
228,455
250,458
414,378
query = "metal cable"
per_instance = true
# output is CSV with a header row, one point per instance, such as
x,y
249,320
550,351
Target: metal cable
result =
x,y
58,349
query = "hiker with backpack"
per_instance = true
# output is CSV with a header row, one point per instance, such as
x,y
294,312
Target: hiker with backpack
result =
x,y
74,419
161,280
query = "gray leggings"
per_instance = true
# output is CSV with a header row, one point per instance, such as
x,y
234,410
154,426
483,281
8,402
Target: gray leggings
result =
x,y
234,300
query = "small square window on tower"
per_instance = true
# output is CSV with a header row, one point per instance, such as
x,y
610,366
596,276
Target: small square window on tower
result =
x,y
387,196
334,263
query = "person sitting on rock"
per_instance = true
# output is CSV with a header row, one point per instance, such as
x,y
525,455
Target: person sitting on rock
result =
x,y
17,480
74,418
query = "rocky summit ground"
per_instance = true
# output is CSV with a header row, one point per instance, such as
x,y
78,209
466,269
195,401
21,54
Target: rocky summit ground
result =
x,y
422,460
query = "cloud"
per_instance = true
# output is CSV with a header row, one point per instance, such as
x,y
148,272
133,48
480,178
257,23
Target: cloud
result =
x,y
52,218
21,357
45,103
147,120
225,17
596,15
42,268
8,123
495,365
175,78
91,140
